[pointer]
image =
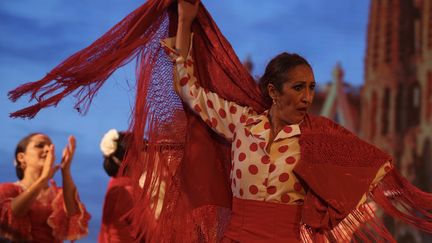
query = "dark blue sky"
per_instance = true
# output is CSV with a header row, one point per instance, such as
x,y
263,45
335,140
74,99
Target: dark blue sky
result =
x,y
36,35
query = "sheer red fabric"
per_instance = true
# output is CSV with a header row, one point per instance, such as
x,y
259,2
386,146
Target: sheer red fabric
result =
x,y
197,198
118,201
46,221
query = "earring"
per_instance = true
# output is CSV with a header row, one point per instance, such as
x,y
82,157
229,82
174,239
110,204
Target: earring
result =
x,y
274,102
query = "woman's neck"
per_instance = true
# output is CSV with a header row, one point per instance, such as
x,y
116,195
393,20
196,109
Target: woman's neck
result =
x,y
30,177
276,124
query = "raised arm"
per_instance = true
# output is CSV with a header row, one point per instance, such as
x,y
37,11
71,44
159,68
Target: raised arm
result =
x,y
22,203
186,15
221,115
69,188
67,206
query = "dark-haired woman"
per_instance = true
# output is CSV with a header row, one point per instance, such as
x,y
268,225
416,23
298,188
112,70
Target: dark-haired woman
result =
x,y
34,209
118,198
292,176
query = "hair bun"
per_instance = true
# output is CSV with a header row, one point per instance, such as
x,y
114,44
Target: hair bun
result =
x,y
108,144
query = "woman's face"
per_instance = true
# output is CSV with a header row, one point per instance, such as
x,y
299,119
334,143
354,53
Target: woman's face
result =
x,y
296,96
35,153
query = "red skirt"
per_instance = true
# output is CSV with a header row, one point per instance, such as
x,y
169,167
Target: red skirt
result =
x,y
258,221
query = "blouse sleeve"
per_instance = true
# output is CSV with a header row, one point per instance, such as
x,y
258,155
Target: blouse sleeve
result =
x,y
386,167
221,115
12,227
68,227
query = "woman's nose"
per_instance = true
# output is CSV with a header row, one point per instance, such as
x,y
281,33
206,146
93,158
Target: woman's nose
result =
x,y
46,147
307,96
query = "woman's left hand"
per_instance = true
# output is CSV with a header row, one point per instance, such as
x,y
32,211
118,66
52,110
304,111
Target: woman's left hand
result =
x,y
68,153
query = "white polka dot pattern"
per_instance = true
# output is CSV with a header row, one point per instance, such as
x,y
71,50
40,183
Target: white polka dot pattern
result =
x,y
257,173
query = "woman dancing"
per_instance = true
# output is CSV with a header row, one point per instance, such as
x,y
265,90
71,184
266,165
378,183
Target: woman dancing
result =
x,y
34,208
250,155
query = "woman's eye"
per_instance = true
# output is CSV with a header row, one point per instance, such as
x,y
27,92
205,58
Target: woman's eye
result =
x,y
40,145
298,87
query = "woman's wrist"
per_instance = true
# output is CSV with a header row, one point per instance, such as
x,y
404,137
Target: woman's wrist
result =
x,y
185,23
65,172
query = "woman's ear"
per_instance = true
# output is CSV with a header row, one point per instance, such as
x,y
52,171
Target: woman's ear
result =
x,y
272,91
21,161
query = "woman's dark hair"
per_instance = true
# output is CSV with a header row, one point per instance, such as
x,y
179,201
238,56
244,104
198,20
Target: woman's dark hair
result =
x,y
21,148
277,70
110,165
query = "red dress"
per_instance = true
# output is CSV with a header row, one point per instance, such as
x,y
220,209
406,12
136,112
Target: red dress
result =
x,y
46,220
118,201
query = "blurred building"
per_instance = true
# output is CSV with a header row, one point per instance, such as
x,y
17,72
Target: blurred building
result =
x,y
341,101
396,100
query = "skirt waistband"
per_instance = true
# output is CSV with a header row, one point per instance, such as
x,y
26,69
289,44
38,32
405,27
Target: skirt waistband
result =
x,y
259,221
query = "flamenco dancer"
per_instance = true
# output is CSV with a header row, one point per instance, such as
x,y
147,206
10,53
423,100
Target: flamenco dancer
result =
x,y
34,209
256,167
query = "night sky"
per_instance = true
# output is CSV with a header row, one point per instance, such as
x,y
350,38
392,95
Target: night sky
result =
x,y
37,35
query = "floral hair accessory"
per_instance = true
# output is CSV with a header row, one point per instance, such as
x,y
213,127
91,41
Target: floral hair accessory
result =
x,y
108,144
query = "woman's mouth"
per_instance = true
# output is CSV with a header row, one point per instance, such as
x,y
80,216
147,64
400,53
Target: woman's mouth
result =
x,y
304,109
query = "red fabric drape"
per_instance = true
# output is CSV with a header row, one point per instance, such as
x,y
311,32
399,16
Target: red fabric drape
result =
x,y
158,113
197,194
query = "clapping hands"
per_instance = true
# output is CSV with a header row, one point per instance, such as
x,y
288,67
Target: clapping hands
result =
x,y
50,167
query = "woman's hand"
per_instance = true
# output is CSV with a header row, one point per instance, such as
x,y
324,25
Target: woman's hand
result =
x,y
68,153
21,204
187,10
49,168
69,188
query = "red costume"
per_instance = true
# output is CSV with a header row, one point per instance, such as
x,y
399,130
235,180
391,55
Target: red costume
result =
x,y
198,199
118,201
46,220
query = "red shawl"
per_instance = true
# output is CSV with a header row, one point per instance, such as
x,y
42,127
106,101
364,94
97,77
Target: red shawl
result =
x,y
197,197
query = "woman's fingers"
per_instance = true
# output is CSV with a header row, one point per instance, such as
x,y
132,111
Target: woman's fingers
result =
x,y
72,145
50,158
68,153
51,155
64,156
48,164
64,152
